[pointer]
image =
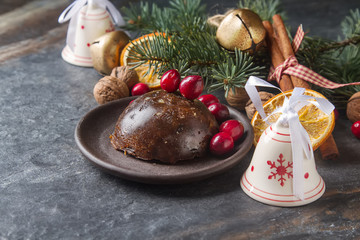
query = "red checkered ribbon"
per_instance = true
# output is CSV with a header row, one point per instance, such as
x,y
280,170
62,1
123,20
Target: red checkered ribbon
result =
x,y
298,39
293,68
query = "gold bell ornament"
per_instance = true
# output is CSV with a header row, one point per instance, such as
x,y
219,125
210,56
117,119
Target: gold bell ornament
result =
x,y
89,19
241,29
282,171
106,50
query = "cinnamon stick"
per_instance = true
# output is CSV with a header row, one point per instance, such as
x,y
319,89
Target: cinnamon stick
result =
x,y
286,49
328,149
276,56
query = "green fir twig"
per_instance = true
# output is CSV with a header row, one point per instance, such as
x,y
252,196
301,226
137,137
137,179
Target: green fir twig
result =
x,y
337,61
190,46
234,74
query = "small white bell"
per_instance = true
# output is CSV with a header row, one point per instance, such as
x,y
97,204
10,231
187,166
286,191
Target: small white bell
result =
x,y
88,22
282,171
269,177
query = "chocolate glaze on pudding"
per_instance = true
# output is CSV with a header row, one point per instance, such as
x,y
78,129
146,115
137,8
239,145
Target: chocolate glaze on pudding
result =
x,y
164,126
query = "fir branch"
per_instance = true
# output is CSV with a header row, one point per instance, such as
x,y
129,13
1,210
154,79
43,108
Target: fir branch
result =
x,y
200,48
210,60
181,15
337,66
354,40
336,61
351,24
347,70
189,13
311,54
163,52
232,74
190,46
138,17
156,52
264,8
351,30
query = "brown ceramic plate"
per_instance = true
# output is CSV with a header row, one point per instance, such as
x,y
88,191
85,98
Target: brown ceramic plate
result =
x,y
92,137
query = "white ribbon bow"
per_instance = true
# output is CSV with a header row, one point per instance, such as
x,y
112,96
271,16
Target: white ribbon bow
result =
x,y
73,9
300,140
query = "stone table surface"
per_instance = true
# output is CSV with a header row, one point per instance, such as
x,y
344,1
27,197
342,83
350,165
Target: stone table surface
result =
x,y
48,190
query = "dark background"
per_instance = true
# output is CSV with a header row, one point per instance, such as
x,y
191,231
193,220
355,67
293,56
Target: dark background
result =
x,y
49,191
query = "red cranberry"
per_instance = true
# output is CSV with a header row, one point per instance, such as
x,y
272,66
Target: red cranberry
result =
x,y
221,143
233,127
191,86
140,89
355,128
220,111
170,80
208,99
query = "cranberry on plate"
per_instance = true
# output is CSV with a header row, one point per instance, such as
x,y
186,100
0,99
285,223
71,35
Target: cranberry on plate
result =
x,y
221,143
233,127
220,111
208,99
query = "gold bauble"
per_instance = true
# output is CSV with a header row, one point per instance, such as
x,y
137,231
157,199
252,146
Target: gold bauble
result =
x,y
106,50
241,29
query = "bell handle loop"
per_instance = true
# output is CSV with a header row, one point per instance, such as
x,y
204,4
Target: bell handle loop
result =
x,y
71,10
91,4
75,7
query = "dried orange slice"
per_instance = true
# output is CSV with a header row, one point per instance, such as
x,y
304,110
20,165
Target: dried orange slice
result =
x,y
151,78
317,124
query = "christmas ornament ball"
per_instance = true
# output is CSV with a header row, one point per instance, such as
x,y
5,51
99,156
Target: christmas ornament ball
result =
x,y
105,51
241,29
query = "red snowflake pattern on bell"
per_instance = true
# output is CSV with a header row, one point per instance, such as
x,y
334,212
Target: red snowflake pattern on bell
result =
x,y
89,20
280,170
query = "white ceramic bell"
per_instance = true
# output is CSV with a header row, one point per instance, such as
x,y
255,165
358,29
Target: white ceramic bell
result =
x,y
269,177
90,23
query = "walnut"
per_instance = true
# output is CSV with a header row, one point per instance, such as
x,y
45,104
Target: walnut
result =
x,y
127,75
353,108
250,109
110,88
238,98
